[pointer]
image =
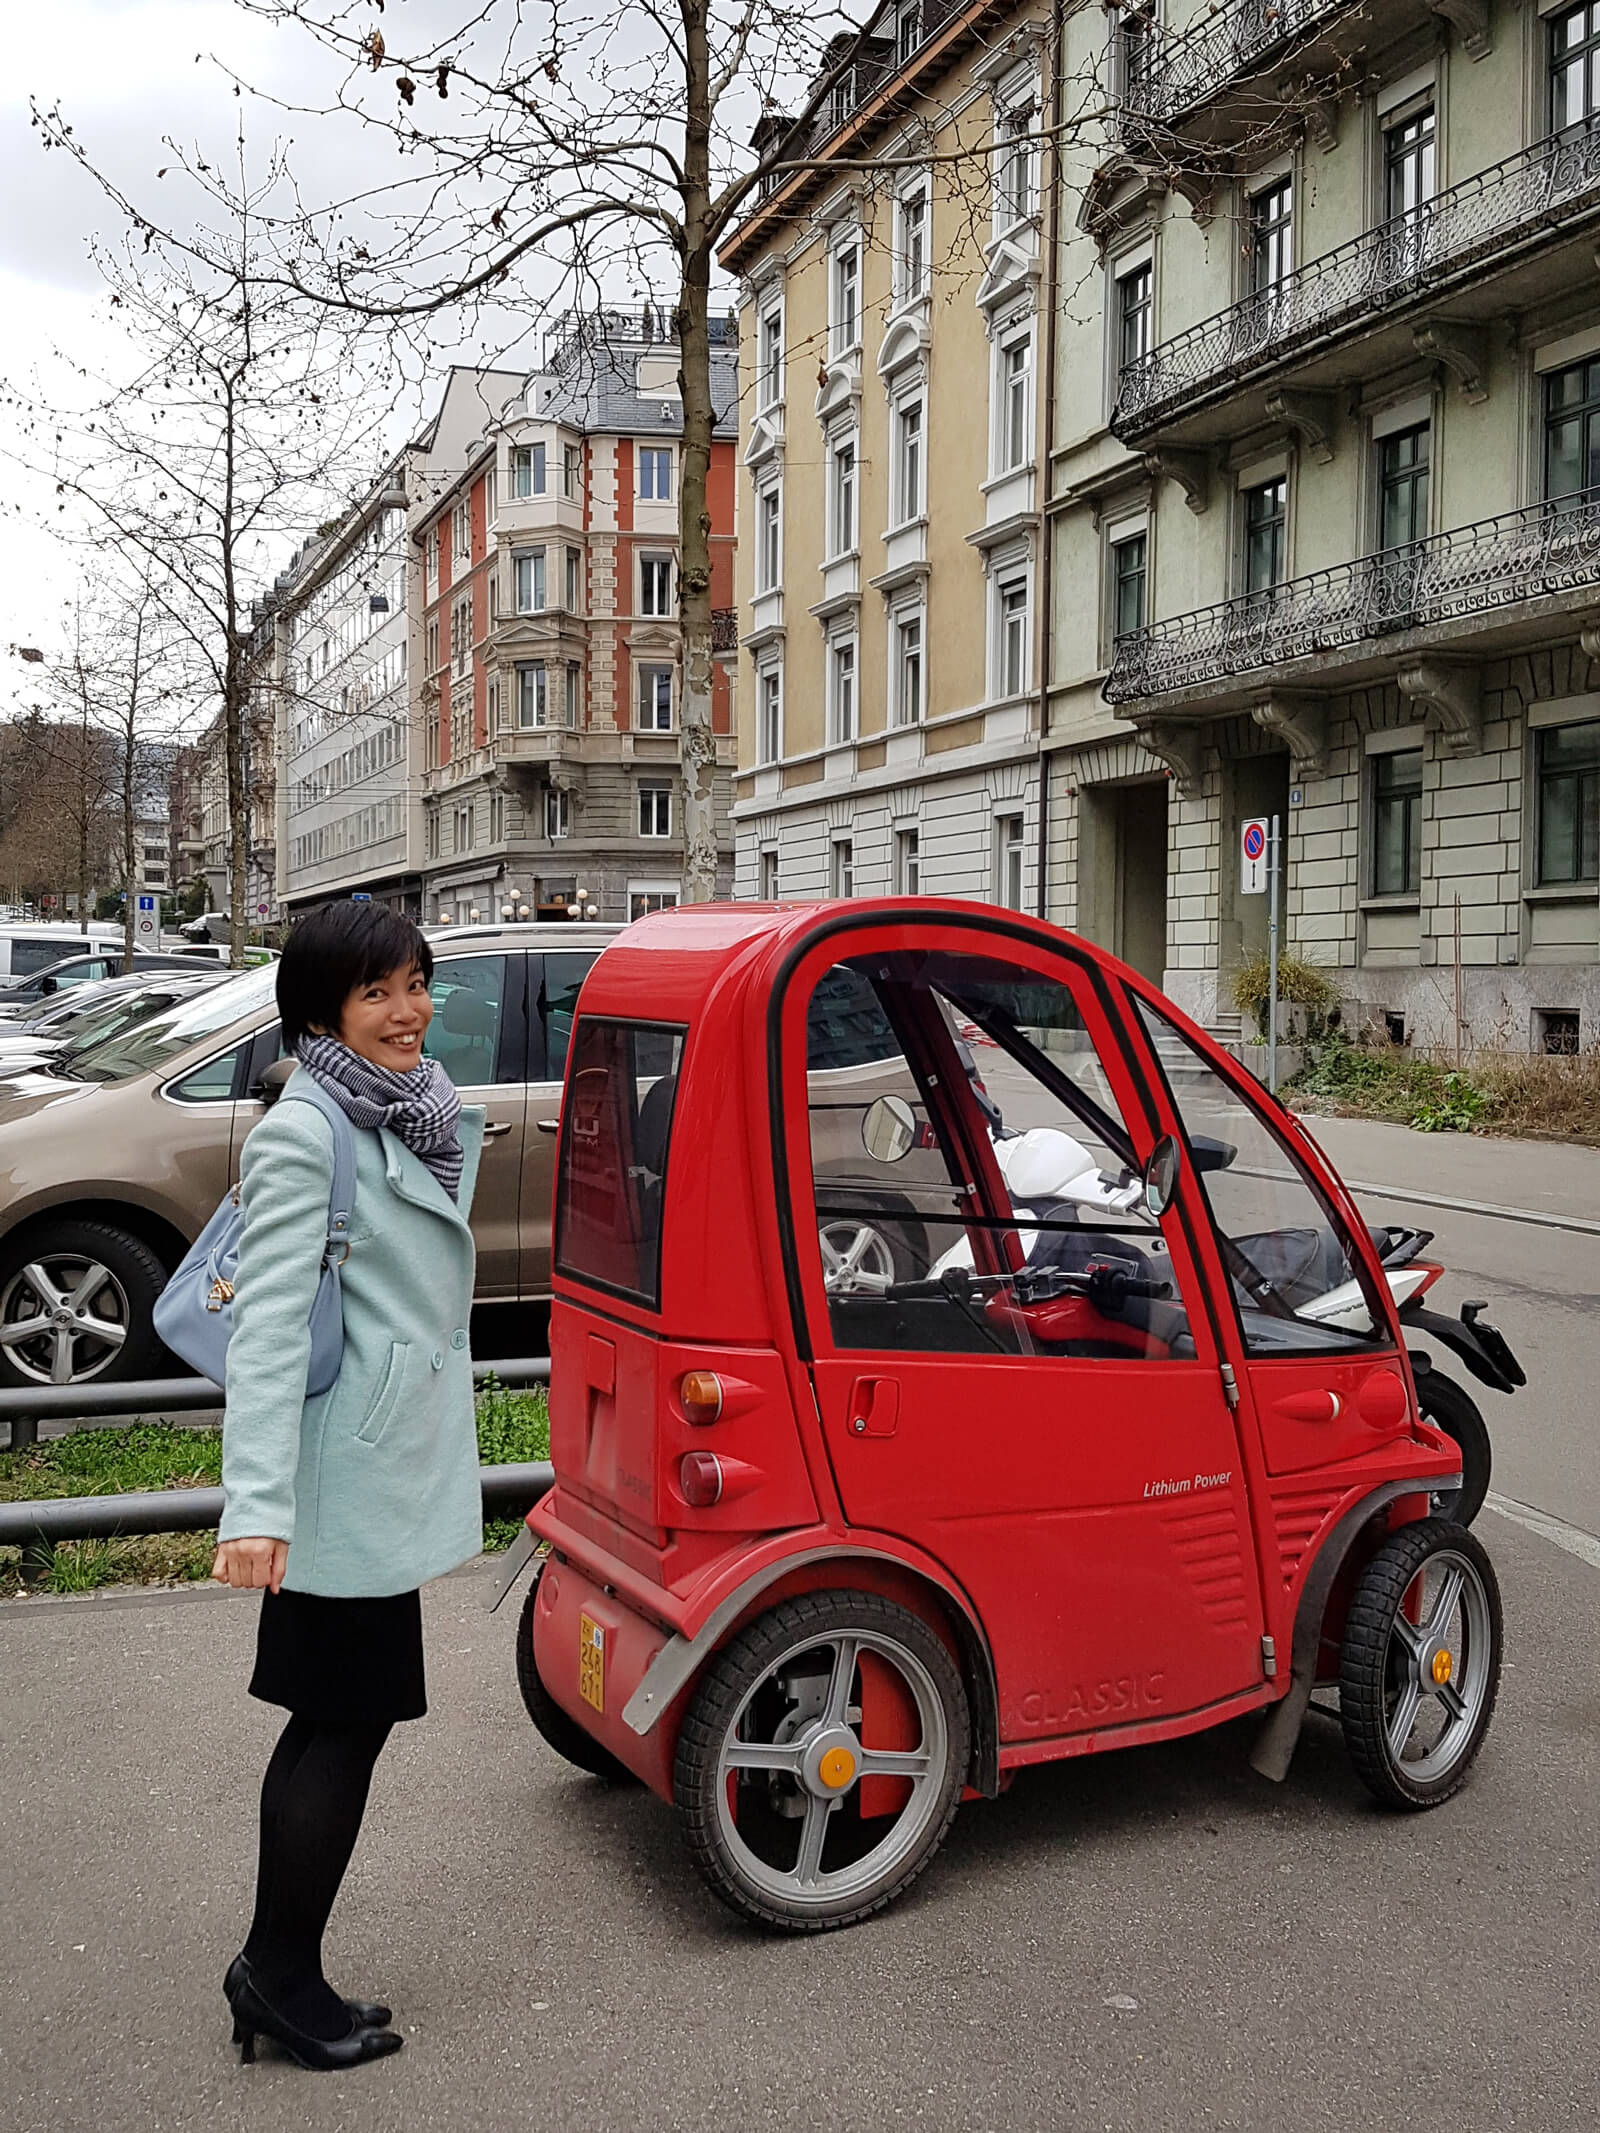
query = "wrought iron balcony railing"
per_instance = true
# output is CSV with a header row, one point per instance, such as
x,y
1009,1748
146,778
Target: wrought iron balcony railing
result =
x,y
1512,205
1470,570
1168,75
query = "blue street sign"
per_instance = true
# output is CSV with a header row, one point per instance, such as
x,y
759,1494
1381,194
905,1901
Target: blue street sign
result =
x,y
360,896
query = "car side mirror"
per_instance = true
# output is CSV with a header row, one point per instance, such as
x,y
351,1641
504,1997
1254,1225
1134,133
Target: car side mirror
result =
x,y
1161,1177
270,1087
889,1129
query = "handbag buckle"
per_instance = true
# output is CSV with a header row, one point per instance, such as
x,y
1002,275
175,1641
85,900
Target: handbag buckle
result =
x,y
221,1293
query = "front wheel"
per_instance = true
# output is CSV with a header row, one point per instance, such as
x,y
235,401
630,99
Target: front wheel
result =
x,y
77,1306
1421,1663
1447,1407
822,1759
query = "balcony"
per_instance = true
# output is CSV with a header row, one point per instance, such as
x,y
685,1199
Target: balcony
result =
x,y
1491,587
1495,243
1203,87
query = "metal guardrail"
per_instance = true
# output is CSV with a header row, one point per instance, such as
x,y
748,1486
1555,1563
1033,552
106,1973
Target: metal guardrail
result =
x,y
1170,73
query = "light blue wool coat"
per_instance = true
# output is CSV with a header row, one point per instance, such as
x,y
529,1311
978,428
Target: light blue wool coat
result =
x,y
374,1484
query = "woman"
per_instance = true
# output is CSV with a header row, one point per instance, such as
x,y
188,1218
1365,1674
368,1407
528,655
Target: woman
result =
x,y
343,1505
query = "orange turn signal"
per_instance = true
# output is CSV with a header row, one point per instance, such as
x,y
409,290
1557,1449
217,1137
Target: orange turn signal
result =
x,y
701,1394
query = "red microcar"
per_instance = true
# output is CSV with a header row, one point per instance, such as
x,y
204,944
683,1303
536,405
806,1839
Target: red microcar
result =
x,y
959,1362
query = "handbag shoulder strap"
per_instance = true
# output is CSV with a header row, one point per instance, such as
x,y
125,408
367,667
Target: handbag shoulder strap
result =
x,y
342,1192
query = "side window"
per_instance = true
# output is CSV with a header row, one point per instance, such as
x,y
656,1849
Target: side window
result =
x,y
974,1183
28,956
1298,1285
564,973
468,1003
213,1083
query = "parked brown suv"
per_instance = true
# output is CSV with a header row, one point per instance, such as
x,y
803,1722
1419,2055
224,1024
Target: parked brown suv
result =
x,y
107,1177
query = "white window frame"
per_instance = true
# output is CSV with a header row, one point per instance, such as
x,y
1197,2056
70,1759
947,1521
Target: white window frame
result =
x,y
654,723
655,453
769,537
913,227
769,713
497,818
1011,624
572,580
767,874
647,896
771,355
571,470
908,860
529,470
910,450
572,695
901,619
844,493
844,322
842,866
654,565
529,572
649,797
1014,151
1010,855
1014,400
533,695
844,688
557,814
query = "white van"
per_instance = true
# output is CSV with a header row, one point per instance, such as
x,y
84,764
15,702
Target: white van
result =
x,y
27,946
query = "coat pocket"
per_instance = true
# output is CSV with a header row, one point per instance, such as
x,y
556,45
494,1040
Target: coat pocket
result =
x,y
388,1398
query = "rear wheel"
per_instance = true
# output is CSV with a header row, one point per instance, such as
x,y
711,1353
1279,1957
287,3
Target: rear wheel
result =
x,y
560,1732
77,1304
1421,1664
822,1760
1447,1407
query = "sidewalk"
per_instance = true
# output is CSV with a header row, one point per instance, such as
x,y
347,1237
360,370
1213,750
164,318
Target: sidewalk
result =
x,y
1545,1176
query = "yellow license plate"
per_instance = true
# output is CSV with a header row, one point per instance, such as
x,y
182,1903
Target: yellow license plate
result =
x,y
591,1662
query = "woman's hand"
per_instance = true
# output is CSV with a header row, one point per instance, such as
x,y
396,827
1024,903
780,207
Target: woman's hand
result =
x,y
251,1562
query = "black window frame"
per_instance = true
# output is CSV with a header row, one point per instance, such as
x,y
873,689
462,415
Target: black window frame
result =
x,y
1272,235
1383,795
649,1298
1414,481
1586,413
1585,778
1275,523
1581,57
1410,142
539,1048
1124,573
1135,314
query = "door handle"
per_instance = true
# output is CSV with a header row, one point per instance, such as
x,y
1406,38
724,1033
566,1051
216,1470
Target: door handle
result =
x,y
548,1125
874,1407
493,1133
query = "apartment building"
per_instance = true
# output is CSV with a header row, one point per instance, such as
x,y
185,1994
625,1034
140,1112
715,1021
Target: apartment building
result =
x,y
1324,519
349,788
546,643
889,578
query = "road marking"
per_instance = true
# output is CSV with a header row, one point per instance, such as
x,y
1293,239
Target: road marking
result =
x,y
1477,1207
1585,1546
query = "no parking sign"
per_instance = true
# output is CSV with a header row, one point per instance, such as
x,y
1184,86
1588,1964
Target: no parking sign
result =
x,y
1253,870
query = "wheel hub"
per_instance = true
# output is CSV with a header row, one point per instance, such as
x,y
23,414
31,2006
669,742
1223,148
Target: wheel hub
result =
x,y
832,1758
1440,1667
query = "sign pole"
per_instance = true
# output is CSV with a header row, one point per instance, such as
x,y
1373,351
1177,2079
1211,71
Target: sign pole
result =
x,y
1272,959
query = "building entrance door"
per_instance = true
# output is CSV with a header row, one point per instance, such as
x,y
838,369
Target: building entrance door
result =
x,y
1141,916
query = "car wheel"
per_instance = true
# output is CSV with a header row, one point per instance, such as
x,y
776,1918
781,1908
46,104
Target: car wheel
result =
x,y
76,1306
1421,1664
558,1731
860,1257
1447,1407
821,1760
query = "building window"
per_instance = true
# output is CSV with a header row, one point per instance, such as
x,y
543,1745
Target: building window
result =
x,y
655,473
497,818
492,701
431,649
908,31
1014,170
767,877
769,715
1011,664
843,486
842,690
1569,803
460,537
1572,429
846,298
431,832
911,246
464,828
1403,487
908,669
531,700
842,867
1135,314
1271,235
1016,397
1575,65
1266,534
527,469
1396,823
1130,572
430,561
641,902
769,540
655,699
1008,861
574,580
655,585
572,470
460,638
1409,162
908,862
908,460
571,686
769,373
557,814
527,581
655,810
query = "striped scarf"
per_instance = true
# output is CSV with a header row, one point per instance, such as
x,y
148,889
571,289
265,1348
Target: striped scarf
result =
x,y
421,1106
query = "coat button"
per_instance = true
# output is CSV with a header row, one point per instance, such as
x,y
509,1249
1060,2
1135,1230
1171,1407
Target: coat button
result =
x,y
458,1339
438,1359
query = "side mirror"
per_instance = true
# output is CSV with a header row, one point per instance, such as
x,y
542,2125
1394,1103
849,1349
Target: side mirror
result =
x,y
47,985
889,1129
1161,1177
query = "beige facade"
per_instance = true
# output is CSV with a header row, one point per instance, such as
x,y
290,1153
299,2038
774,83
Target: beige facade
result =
x,y
1330,441
890,485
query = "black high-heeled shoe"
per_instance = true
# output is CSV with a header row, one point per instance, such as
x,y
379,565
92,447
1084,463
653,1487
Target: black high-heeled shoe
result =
x,y
370,2014
253,2016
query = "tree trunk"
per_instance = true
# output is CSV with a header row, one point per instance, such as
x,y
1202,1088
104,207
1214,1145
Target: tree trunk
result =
x,y
699,745
233,695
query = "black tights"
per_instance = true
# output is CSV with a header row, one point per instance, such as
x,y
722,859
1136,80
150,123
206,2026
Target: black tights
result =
x,y
312,1800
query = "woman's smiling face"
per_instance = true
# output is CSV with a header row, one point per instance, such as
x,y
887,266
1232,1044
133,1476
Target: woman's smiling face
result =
x,y
387,1020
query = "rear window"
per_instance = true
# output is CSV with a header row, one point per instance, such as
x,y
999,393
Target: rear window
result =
x,y
616,1121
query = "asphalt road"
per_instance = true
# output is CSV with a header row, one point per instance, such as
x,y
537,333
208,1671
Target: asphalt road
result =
x,y
1144,1941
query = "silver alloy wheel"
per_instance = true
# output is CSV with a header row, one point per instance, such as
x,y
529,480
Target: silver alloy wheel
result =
x,y
809,1759
1439,1668
63,1319
857,1260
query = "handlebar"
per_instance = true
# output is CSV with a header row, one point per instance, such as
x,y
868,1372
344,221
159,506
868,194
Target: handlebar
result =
x,y
1107,1287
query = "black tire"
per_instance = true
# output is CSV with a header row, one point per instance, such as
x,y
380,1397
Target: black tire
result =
x,y
558,1731
883,1866
1447,1407
132,1277
1387,1659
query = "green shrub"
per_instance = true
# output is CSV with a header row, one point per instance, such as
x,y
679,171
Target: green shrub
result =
x,y
1300,984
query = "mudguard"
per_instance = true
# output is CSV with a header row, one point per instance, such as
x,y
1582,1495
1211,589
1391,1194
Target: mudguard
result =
x,y
1482,1347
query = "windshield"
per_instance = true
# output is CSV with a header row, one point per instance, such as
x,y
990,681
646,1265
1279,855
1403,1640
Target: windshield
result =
x,y
93,1024
149,1045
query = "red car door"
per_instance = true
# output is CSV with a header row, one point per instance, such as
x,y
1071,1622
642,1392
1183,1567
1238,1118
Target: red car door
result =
x,y
1074,1465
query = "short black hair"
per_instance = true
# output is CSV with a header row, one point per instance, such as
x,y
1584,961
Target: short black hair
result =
x,y
331,951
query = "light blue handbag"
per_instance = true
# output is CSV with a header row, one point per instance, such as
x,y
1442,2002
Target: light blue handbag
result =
x,y
194,1312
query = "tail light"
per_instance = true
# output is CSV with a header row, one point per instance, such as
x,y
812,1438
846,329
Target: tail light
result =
x,y
701,1394
700,1479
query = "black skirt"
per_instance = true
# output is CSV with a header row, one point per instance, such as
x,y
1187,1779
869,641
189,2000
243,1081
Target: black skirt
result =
x,y
341,1662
